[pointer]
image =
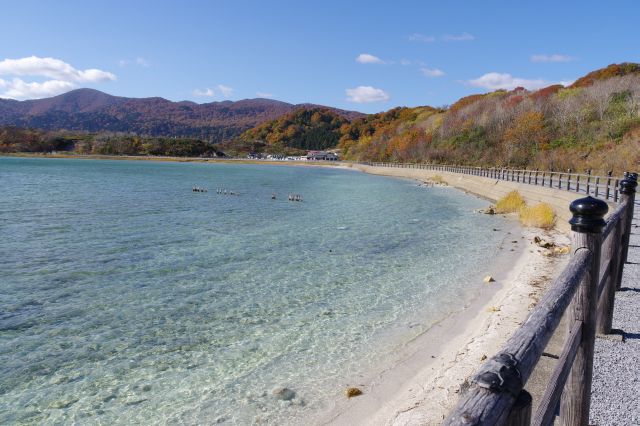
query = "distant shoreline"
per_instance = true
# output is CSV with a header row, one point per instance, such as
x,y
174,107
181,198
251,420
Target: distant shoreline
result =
x,y
173,159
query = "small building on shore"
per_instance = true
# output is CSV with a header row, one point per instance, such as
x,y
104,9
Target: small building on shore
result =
x,y
321,156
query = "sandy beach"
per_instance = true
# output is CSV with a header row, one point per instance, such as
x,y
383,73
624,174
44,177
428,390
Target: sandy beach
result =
x,y
424,385
425,382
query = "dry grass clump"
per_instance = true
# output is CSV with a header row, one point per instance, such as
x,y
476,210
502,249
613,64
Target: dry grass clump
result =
x,y
438,179
510,203
541,216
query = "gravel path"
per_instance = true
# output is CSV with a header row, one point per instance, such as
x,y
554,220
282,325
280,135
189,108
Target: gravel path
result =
x,y
616,376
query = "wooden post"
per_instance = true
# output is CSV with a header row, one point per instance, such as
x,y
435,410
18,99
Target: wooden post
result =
x,y
613,255
535,182
588,180
520,414
578,183
609,173
587,224
597,184
560,181
628,195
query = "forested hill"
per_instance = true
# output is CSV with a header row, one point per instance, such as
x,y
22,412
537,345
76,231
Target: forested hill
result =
x,y
303,129
90,110
594,123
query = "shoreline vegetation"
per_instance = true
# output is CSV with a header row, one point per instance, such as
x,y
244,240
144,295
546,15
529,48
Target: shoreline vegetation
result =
x,y
424,383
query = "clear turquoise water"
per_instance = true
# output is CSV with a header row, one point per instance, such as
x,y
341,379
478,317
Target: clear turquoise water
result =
x,y
128,299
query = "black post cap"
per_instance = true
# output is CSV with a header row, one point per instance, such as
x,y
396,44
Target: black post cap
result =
x,y
588,215
628,185
633,176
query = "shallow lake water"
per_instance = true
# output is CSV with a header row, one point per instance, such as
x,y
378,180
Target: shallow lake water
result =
x,y
128,298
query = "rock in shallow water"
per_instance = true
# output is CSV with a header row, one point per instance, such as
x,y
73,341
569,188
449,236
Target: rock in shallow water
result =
x,y
283,394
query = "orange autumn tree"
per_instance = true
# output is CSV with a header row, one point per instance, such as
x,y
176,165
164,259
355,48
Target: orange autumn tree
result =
x,y
525,137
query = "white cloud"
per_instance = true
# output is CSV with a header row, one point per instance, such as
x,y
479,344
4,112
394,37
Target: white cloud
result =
x,y
264,95
405,62
206,93
552,58
365,94
421,38
20,89
432,72
226,91
458,37
62,77
365,58
52,68
495,81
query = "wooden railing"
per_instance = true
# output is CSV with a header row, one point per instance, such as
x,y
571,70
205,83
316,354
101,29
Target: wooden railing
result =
x,y
605,187
584,292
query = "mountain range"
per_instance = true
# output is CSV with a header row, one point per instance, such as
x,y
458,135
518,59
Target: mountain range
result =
x,y
94,111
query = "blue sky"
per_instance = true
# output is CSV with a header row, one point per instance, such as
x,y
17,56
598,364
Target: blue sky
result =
x,y
356,55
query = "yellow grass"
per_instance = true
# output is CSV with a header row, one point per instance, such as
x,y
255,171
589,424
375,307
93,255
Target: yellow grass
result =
x,y
541,216
510,203
438,179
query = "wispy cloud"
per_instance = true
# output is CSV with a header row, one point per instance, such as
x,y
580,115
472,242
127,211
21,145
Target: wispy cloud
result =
x,y
552,58
422,38
495,81
63,77
366,58
264,95
458,37
432,72
204,93
366,94
447,37
405,62
140,61
226,91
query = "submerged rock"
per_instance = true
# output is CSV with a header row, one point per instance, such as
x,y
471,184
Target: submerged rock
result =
x,y
283,394
63,403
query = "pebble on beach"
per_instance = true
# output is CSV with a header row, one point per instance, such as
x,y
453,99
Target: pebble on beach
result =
x,y
488,279
351,392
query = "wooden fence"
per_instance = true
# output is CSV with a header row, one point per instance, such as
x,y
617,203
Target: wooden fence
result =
x,y
584,291
606,187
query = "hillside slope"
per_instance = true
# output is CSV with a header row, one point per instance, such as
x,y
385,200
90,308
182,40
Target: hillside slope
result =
x,y
94,111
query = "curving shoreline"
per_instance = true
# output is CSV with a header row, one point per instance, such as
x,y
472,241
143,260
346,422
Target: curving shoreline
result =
x,y
424,385
421,385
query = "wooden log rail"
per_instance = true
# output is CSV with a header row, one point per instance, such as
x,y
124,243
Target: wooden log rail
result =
x,y
585,293
605,187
